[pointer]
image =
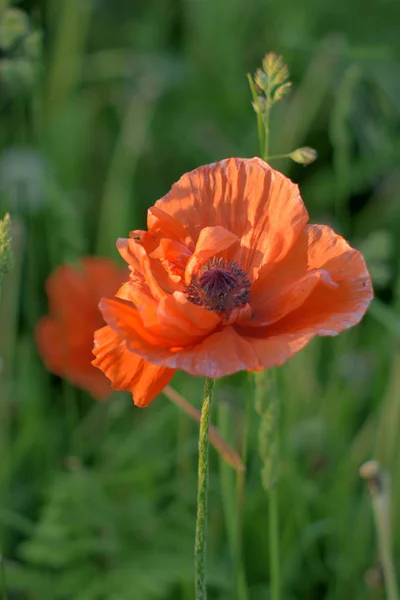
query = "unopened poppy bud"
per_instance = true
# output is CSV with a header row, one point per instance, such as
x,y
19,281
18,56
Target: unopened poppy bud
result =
x,y
304,156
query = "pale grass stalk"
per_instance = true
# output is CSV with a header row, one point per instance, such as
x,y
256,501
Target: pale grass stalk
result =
x,y
378,485
229,455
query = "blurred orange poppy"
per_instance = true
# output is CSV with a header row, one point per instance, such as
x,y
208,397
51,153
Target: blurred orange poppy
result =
x,y
65,336
227,277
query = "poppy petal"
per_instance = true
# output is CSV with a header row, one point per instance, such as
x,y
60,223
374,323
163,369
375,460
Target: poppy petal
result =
x,y
275,350
178,312
136,256
48,343
328,309
278,301
163,224
74,364
102,276
212,241
248,198
124,317
173,323
221,353
126,370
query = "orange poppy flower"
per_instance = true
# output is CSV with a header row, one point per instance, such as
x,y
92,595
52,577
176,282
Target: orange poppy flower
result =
x,y
65,336
228,277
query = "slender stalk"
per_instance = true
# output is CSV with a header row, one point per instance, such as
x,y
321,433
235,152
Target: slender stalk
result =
x,y
229,455
287,155
379,488
260,124
266,134
268,103
383,527
202,494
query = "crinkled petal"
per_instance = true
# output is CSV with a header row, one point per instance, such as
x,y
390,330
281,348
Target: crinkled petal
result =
x,y
177,312
136,256
172,251
212,242
127,371
125,318
276,302
173,323
275,350
221,353
248,198
163,224
328,309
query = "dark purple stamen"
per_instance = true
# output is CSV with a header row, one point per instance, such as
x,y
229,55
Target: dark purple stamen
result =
x,y
219,285
217,281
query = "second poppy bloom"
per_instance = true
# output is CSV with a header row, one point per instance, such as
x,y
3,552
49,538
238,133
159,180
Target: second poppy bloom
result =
x,y
229,276
65,336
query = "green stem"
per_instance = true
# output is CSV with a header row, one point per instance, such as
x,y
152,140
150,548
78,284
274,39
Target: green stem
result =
x,y
260,123
279,156
202,494
265,155
267,120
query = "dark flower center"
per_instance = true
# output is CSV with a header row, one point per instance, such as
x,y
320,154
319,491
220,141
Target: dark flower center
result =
x,y
219,285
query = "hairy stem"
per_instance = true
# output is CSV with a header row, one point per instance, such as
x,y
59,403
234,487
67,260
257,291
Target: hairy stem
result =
x,y
202,494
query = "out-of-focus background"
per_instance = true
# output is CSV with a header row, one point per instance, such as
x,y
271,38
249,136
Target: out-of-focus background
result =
x,y
103,105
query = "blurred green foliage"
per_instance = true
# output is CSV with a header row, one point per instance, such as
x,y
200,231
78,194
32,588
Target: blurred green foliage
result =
x,y
103,105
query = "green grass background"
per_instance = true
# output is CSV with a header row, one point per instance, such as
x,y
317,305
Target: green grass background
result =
x,y
97,501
